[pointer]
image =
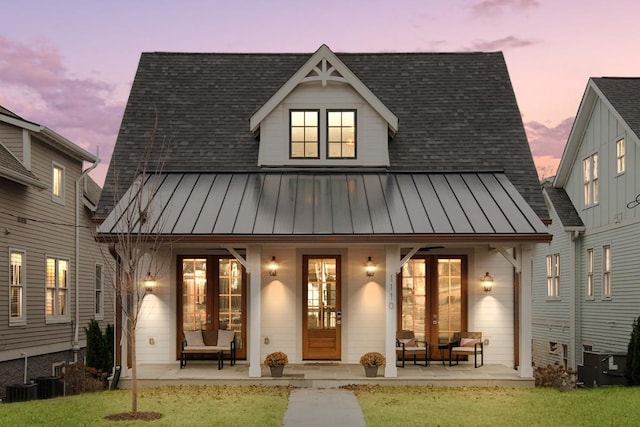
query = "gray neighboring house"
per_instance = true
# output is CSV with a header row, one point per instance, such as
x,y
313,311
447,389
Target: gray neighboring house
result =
x,y
586,291
415,165
52,270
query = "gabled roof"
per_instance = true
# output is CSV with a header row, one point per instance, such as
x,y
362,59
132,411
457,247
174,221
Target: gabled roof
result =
x,y
620,95
561,203
11,168
322,66
457,113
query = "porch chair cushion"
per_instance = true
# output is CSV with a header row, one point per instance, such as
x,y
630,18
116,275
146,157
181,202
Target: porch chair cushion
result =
x,y
225,337
194,338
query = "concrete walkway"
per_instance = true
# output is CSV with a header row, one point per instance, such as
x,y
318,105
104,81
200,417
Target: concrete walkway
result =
x,y
321,407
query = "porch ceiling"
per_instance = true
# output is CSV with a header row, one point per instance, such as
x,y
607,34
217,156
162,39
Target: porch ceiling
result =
x,y
292,206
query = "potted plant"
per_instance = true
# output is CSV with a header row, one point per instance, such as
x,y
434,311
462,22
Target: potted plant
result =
x,y
371,361
276,361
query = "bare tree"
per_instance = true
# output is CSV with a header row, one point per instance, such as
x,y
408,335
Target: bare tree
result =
x,y
132,232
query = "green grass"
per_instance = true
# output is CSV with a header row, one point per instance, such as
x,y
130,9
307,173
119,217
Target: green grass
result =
x,y
179,406
382,406
441,406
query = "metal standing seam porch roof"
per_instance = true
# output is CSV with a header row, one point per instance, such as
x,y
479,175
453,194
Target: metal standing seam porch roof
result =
x,y
335,206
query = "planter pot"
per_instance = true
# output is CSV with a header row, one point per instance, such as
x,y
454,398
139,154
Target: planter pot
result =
x,y
276,371
370,371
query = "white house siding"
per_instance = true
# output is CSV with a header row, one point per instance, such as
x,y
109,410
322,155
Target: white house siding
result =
x,y
371,130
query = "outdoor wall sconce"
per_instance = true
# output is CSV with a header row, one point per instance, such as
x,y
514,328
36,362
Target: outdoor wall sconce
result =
x,y
273,267
487,282
370,267
149,282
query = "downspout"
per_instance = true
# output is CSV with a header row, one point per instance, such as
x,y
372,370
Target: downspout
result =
x,y
575,301
75,345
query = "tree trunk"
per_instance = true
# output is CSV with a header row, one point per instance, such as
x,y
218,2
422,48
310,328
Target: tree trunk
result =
x,y
134,372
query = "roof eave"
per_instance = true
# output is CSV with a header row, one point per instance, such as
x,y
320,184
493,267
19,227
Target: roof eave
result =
x,y
21,179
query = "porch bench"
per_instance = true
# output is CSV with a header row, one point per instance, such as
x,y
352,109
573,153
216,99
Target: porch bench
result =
x,y
209,342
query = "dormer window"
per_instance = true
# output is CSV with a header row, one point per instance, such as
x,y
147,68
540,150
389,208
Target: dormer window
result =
x,y
341,131
304,134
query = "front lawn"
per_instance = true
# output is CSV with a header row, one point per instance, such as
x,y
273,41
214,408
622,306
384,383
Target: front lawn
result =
x,y
470,406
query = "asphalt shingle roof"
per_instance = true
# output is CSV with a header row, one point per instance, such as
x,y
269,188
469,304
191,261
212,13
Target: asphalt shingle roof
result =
x,y
623,93
9,162
456,111
563,206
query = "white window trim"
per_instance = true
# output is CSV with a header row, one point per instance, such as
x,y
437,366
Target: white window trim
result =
x,y
590,182
99,300
606,273
22,320
621,156
61,198
55,318
590,282
553,276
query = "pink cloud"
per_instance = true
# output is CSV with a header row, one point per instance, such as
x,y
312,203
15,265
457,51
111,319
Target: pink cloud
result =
x,y
499,44
487,7
37,86
548,141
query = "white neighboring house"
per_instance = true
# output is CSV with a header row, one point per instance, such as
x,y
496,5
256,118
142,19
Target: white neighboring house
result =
x,y
586,292
415,163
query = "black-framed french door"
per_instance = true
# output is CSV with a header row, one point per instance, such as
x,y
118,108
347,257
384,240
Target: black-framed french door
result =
x,y
432,297
211,295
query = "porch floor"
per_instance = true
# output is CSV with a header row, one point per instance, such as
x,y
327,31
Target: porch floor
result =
x,y
325,375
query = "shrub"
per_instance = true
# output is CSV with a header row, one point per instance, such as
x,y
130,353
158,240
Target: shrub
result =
x,y
79,378
99,354
556,376
632,368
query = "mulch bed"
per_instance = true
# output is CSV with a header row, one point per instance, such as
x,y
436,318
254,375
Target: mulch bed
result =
x,y
134,416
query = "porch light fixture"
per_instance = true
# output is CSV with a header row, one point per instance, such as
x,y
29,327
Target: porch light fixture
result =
x,y
487,282
273,267
370,267
149,282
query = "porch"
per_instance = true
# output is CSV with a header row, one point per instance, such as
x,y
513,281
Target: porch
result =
x,y
326,375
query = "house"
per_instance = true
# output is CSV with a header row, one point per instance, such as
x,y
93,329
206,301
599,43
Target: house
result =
x,y
586,292
317,203
53,267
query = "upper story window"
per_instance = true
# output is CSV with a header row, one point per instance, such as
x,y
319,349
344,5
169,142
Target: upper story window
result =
x,y
99,293
57,287
304,136
341,131
590,179
620,156
57,184
553,275
589,289
606,272
17,284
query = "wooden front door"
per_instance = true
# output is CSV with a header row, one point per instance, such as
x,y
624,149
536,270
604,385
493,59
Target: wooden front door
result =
x,y
433,299
321,315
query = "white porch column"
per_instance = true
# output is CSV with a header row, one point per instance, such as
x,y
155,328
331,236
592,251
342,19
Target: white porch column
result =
x,y
391,270
525,370
254,254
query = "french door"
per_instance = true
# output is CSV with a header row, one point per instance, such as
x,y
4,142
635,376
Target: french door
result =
x,y
433,298
321,315
211,296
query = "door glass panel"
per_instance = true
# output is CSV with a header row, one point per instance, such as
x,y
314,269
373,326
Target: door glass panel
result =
x,y
194,293
321,294
449,298
414,297
230,297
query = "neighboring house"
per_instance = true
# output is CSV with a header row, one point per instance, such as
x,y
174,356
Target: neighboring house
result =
x,y
52,267
586,291
414,163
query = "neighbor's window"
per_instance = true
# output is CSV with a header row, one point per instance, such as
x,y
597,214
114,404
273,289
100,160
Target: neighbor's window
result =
x,y
589,289
57,284
17,287
57,184
99,292
620,156
304,134
341,131
606,271
553,275
590,179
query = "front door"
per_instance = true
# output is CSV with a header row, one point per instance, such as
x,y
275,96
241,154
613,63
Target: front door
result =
x,y
433,299
321,315
211,296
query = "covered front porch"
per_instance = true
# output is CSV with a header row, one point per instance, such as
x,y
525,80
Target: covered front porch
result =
x,y
326,375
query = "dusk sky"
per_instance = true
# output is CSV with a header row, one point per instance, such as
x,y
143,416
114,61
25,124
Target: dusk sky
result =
x,y
69,64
